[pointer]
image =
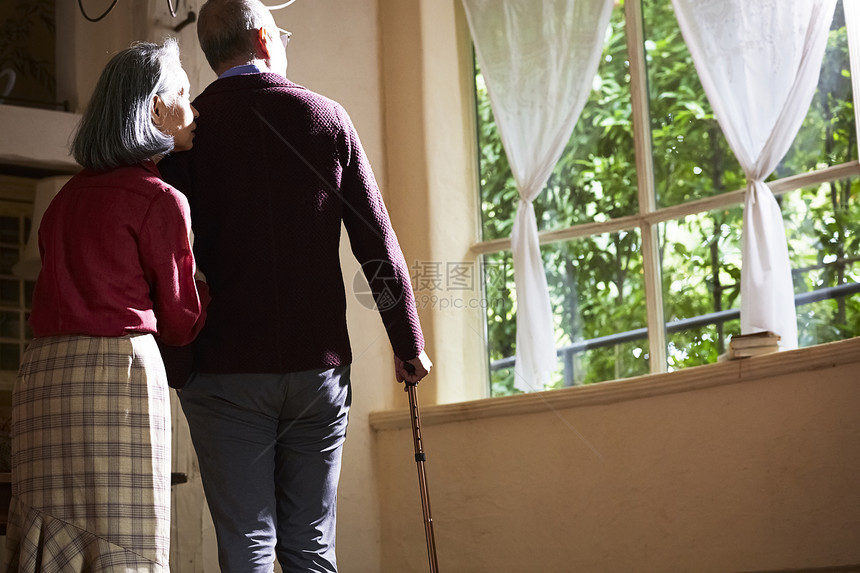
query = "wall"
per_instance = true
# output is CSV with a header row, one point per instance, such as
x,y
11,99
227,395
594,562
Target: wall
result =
x,y
706,470
401,69
37,138
334,51
744,466
37,43
427,79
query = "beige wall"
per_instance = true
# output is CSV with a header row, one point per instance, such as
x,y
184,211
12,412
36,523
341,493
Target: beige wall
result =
x,y
746,466
430,146
334,51
673,472
337,49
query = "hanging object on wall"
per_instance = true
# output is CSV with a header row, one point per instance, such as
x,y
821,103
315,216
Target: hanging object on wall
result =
x,y
90,19
170,7
190,19
279,6
27,52
8,73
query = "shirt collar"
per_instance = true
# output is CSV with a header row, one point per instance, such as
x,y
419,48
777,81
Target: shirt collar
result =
x,y
243,69
150,166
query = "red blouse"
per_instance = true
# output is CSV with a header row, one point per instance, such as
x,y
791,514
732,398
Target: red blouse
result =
x,y
116,259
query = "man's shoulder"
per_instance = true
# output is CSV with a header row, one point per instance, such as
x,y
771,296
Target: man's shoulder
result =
x,y
268,82
298,91
243,82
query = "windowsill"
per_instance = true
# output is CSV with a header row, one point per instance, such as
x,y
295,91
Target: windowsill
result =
x,y
696,378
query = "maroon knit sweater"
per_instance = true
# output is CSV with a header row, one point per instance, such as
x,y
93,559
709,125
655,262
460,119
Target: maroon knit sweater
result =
x,y
274,171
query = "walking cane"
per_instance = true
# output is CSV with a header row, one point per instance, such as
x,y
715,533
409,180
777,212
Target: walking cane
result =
x,y
420,458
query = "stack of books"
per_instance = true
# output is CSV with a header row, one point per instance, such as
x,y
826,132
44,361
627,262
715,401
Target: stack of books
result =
x,y
746,345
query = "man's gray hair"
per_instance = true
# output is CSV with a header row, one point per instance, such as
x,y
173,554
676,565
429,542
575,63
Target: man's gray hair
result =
x,y
116,128
223,29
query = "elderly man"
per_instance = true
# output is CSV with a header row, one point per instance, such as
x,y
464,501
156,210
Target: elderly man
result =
x,y
276,170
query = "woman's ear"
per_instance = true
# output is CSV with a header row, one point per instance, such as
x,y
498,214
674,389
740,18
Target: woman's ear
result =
x,y
158,111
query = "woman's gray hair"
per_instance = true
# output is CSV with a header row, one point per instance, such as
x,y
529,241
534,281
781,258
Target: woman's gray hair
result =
x,y
116,128
223,29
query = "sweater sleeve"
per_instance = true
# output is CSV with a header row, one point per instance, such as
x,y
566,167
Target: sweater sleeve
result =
x,y
179,301
376,248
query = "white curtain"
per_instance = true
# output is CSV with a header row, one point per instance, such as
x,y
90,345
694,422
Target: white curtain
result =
x,y
538,59
759,62
852,27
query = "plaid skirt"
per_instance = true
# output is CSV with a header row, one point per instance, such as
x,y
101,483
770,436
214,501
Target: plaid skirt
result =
x,y
90,457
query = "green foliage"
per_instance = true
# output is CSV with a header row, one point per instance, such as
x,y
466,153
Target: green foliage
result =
x,y
596,283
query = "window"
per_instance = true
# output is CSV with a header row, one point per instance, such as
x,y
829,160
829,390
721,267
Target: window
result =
x,y
641,228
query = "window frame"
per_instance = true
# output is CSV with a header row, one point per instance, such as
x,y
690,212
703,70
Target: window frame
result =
x,y
649,215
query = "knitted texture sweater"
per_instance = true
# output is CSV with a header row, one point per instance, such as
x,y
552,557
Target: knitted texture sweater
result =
x,y
275,172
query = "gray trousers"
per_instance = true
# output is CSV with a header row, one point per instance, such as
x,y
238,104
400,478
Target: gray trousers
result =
x,y
269,448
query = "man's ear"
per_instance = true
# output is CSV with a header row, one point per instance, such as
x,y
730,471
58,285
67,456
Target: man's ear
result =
x,y
261,43
157,111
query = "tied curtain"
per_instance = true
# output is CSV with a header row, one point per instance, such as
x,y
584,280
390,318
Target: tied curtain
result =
x,y
759,62
538,59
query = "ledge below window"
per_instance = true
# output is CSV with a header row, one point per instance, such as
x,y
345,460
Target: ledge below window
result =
x,y
696,378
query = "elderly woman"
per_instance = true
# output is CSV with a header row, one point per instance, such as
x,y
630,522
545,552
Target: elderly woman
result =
x,y
91,414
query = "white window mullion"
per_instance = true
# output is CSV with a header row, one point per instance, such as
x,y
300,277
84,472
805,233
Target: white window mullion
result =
x,y
645,183
852,28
